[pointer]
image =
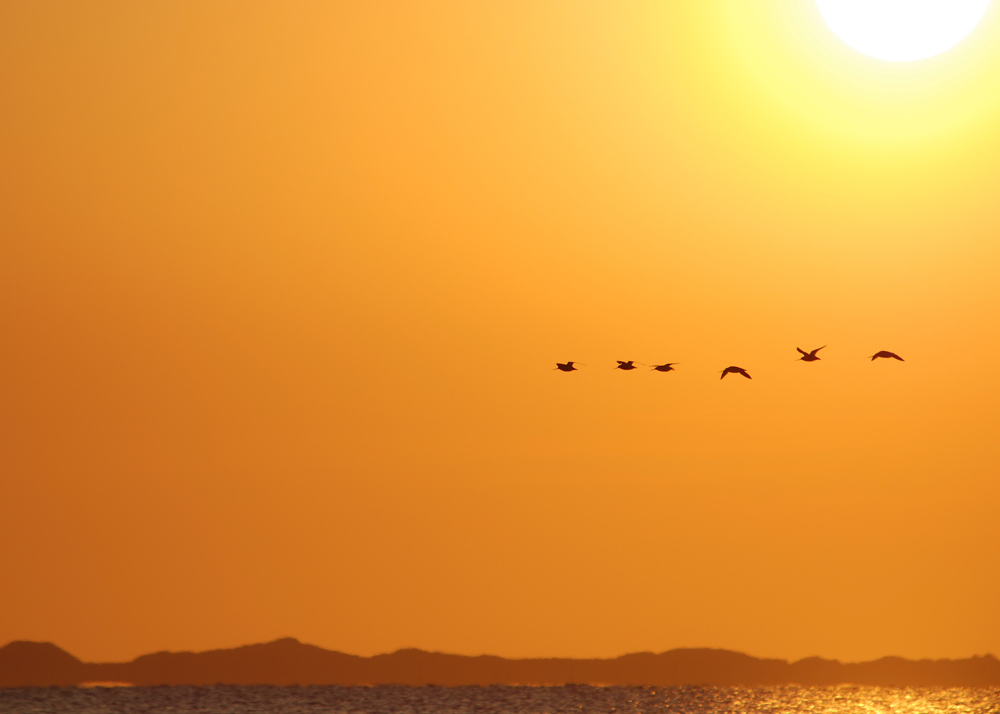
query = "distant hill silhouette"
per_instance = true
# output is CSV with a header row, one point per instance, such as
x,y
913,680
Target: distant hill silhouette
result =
x,y
287,661
38,664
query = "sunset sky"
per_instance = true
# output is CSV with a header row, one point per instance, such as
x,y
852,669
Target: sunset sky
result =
x,y
283,286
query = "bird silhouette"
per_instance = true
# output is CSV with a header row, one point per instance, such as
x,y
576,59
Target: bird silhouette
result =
x,y
625,365
809,356
735,370
887,354
668,367
566,367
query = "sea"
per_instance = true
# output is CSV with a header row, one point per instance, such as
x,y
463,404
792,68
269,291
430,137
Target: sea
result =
x,y
570,699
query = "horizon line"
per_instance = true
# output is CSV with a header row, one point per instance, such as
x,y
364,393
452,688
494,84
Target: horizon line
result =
x,y
399,650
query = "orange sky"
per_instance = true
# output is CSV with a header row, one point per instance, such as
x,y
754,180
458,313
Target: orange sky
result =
x,y
282,286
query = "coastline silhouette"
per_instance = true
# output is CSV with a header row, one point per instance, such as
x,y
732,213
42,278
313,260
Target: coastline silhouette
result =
x,y
288,662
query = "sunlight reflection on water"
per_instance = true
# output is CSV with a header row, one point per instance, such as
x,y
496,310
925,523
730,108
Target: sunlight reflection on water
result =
x,y
572,699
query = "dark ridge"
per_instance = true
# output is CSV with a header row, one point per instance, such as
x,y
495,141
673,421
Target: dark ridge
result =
x,y
282,662
38,664
288,662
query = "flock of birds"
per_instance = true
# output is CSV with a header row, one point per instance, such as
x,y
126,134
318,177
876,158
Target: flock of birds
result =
x,y
669,366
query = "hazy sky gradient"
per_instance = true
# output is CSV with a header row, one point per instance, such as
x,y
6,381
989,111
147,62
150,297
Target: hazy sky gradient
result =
x,y
282,286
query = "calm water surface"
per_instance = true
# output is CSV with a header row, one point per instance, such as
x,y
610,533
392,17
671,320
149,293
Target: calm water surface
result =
x,y
574,699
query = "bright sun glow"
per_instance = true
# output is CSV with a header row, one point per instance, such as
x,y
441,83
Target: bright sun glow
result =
x,y
902,30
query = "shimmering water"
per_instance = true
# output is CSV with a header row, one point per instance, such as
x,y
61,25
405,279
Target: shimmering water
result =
x,y
574,699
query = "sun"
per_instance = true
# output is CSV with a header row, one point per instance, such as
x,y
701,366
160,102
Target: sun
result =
x,y
902,30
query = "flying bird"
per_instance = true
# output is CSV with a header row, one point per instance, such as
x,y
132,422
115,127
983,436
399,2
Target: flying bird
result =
x,y
668,367
566,367
735,370
809,356
625,365
887,354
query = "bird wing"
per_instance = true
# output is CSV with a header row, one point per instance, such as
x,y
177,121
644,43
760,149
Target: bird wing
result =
x,y
813,353
802,352
897,356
